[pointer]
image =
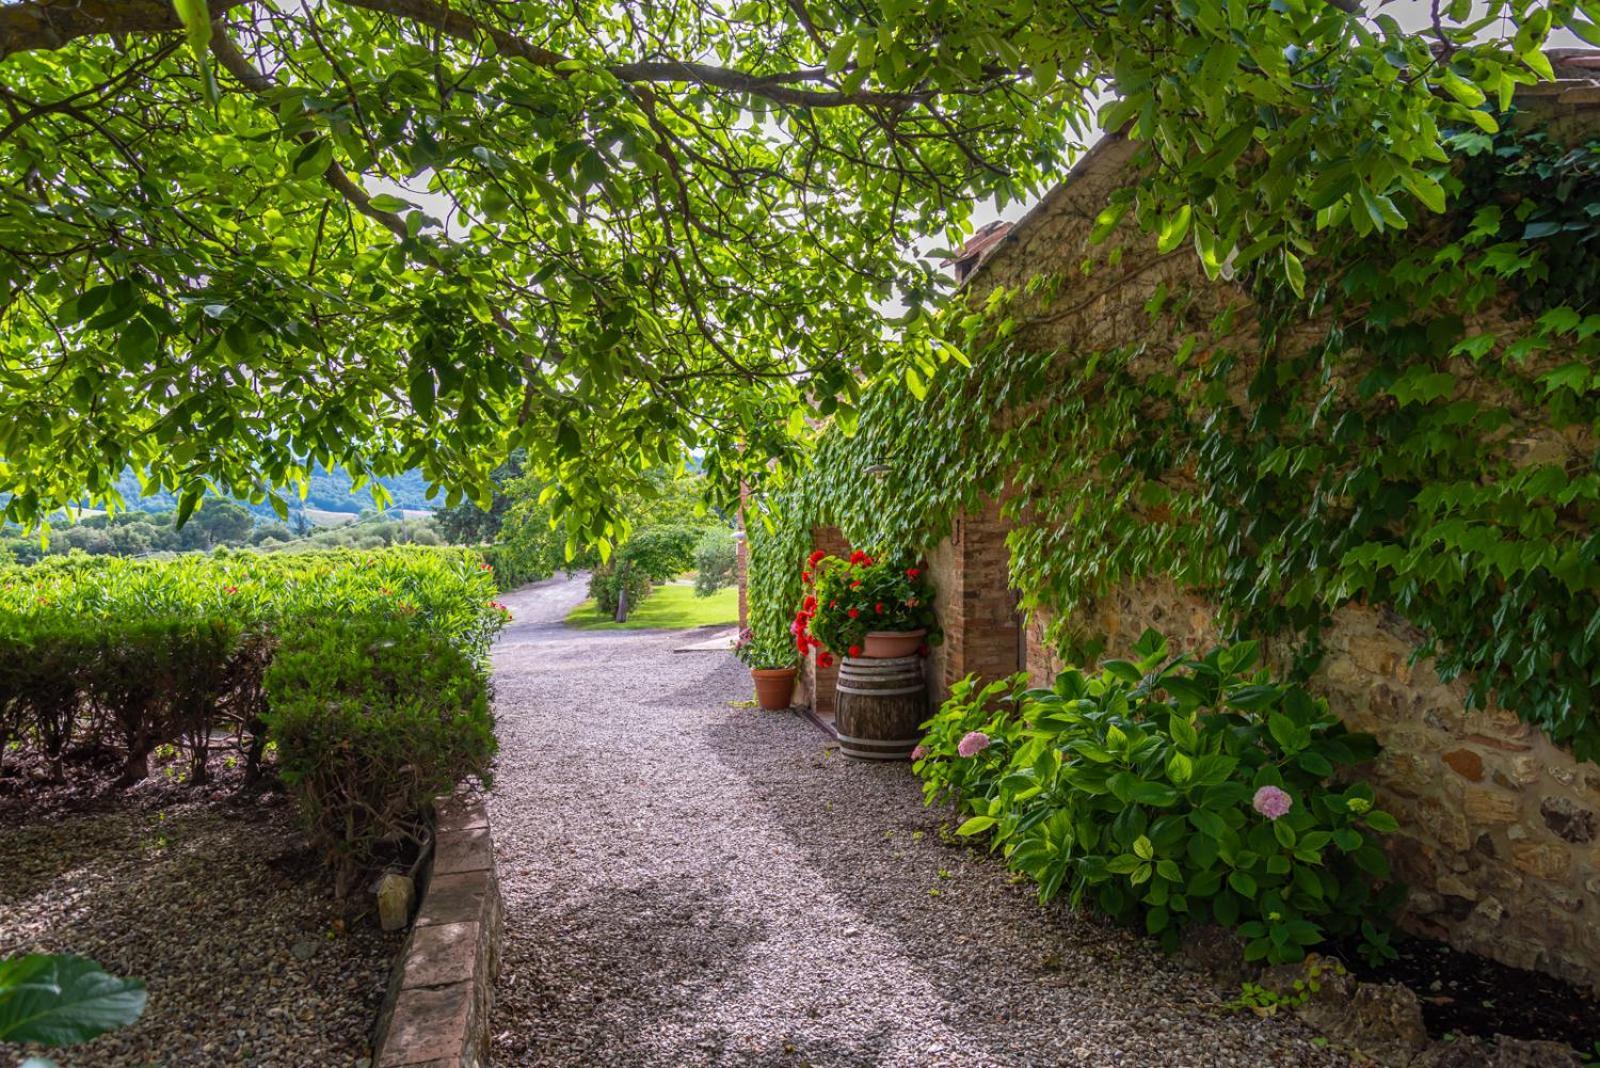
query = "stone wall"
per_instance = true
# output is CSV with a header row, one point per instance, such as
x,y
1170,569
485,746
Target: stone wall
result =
x,y
1498,827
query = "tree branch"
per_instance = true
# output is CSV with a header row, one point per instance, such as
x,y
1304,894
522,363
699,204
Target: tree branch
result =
x,y
51,24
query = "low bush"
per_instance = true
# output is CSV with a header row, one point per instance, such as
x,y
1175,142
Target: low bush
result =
x,y
608,584
715,561
1170,793
130,655
373,721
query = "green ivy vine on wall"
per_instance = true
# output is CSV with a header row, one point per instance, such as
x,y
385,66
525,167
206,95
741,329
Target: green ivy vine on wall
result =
x,y
1418,431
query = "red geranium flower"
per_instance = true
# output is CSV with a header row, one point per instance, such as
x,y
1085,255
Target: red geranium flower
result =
x,y
855,650
854,613
824,660
913,572
815,558
880,608
805,576
856,585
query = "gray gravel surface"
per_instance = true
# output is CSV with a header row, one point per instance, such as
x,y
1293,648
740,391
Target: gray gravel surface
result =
x,y
691,882
220,910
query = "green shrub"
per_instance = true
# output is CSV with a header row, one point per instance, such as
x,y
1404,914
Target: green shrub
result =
x,y
661,552
1174,793
607,584
716,559
373,721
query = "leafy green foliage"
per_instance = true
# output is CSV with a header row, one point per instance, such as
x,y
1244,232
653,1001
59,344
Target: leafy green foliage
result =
x,y
136,654
373,721
1138,791
1418,434
716,562
621,233
63,1000
765,653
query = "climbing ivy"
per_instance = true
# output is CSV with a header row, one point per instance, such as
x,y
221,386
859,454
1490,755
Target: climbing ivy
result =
x,y
1418,432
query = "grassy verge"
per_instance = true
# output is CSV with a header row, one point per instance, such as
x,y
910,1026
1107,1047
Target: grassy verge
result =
x,y
667,608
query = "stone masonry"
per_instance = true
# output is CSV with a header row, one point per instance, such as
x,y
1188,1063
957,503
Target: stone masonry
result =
x,y
1500,829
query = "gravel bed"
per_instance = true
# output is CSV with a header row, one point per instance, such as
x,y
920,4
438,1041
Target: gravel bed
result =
x,y
691,882
217,906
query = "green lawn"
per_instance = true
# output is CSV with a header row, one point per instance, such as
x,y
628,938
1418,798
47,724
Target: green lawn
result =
x,y
667,608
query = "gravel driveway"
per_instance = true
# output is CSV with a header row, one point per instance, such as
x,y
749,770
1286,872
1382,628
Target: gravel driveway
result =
x,y
689,882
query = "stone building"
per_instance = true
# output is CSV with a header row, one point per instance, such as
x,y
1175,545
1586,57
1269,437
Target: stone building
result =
x,y
1500,829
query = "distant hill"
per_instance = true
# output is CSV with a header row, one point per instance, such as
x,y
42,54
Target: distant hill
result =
x,y
330,491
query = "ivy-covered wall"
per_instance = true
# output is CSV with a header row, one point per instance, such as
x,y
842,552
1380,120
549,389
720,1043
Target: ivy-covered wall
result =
x,y
1393,477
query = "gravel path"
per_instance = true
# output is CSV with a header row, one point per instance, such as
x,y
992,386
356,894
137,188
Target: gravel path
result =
x,y
689,882
217,906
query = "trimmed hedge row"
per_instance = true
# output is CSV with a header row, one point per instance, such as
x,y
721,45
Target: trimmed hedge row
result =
x,y
368,670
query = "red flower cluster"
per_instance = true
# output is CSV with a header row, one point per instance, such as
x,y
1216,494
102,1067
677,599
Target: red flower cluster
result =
x,y
860,558
816,558
913,572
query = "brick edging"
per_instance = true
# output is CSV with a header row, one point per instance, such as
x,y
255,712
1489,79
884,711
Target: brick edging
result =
x,y
436,1014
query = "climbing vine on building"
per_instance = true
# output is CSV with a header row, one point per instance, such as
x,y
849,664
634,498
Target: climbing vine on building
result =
x,y
1418,432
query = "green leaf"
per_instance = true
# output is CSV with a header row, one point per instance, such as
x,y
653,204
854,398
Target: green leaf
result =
x,y
63,1000
1208,823
976,825
1381,821
1295,272
197,25
1173,230
313,159
1242,884
137,344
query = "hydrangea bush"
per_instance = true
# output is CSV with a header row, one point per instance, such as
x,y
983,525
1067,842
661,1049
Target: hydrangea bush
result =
x,y
1172,792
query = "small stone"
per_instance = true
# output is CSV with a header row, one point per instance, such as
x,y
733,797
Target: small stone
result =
x,y
301,951
1383,1021
395,894
1540,858
1568,819
1466,763
1491,806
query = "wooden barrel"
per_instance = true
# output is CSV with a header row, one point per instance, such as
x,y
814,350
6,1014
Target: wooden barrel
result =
x,y
882,703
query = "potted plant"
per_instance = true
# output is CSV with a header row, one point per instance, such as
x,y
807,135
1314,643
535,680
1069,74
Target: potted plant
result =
x,y
772,668
865,606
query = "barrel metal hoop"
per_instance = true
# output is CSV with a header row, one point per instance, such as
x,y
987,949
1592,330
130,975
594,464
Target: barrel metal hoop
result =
x,y
881,693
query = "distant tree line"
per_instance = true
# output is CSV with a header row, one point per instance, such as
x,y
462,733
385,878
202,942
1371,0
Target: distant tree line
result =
x,y
217,524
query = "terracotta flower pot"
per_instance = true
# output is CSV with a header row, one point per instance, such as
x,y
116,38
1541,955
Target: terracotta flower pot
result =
x,y
774,687
888,644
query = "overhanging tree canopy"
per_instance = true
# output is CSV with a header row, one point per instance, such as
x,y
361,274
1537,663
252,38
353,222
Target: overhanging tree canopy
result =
x,y
649,228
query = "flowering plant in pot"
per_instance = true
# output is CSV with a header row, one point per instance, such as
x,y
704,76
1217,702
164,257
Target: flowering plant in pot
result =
x,y
865,606
772,665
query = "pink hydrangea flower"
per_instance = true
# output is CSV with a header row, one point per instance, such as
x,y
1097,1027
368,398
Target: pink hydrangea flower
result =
x,y
919,752
1272,802
974,743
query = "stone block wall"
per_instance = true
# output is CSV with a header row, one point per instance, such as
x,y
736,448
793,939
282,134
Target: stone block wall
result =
x,y
1499,834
